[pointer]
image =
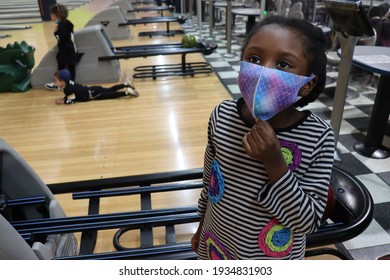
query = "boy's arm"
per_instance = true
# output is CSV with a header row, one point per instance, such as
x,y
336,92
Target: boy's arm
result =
x,y
70,95
59,101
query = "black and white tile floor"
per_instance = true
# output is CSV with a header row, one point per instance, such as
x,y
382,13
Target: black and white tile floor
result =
x,y
373,173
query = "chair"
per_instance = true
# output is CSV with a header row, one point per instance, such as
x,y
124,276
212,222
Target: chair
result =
x,y
34,225
350,211
379,19
296,14
350,22
282,7
295,11
24,196
297,6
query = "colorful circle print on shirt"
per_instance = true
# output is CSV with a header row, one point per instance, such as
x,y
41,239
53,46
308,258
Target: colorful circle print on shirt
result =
x,y
275,240
214,248
216,187
291,154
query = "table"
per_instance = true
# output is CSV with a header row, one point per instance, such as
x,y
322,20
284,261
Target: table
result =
x,y
251,13
372,3
222,4
375,59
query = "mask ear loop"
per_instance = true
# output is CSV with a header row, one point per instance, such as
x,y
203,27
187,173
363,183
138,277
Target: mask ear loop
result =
x,y
311,77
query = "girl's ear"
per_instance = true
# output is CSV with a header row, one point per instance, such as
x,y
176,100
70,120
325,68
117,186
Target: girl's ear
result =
x,y
308,87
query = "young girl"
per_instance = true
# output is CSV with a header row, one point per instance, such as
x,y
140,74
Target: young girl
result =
x,y
66,55
268,165
78,93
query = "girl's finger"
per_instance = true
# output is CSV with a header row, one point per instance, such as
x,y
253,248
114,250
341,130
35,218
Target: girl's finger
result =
x,y
246,145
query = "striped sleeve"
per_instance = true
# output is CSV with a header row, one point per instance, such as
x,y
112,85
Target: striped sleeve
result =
x,y
298,200
208,157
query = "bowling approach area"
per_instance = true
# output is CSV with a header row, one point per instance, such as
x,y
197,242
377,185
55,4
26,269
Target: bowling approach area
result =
x,y
164,109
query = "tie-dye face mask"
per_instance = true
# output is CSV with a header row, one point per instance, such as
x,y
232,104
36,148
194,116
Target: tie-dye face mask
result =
x,y
268,91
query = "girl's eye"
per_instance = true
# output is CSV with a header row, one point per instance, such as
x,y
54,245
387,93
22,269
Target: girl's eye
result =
x,y
284,65
254,59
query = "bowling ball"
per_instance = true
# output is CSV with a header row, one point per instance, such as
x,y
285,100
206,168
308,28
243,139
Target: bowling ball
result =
x,y
188,41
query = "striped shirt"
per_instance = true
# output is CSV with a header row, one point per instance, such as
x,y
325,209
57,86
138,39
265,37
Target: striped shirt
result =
x,y
244,216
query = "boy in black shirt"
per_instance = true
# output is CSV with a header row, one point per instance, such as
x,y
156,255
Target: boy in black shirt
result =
x,y
75,92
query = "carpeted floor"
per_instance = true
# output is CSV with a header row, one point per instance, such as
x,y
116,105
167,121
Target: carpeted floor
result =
x,y
373,173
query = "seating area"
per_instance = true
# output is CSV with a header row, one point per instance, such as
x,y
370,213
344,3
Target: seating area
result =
x,y
65,214
29,210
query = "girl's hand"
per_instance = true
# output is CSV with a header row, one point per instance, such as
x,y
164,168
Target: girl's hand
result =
x,y
59,101
195,241
261,142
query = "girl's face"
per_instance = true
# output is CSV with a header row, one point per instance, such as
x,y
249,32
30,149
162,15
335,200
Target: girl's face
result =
x,y
279,48
53,17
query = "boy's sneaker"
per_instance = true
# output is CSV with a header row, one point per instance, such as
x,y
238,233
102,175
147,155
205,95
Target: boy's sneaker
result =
x,y
129,83
130,91
51,86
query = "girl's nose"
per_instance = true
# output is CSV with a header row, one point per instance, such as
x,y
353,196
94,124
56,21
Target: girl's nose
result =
x,y
268,64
